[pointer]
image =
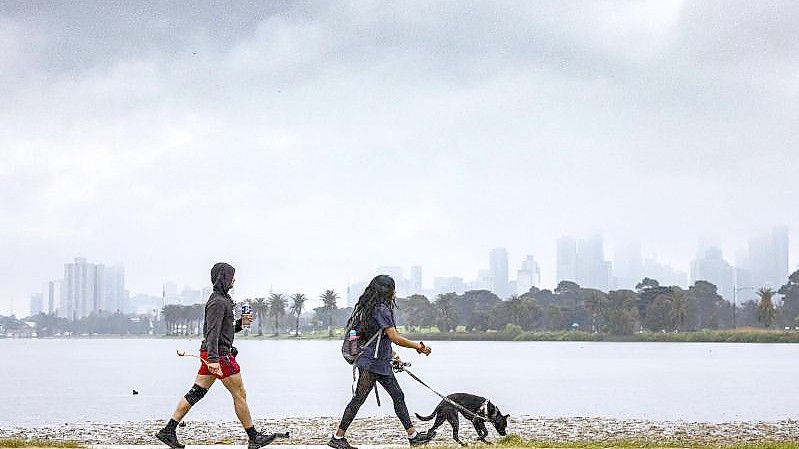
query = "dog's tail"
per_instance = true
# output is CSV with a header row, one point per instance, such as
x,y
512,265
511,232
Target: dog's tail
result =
x,y
426,418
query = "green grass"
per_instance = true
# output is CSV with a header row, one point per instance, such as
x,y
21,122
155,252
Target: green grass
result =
x,y
516,442
21,442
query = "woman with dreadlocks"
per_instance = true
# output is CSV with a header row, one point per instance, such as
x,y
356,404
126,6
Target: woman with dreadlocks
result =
x,y
374,313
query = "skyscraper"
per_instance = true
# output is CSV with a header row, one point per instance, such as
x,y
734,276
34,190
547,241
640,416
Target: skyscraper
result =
x,y
566,259
416,280
395,272
51,296
83,288
448,284
528,276
498,270
37,305
114,288
628,265
710,266
354,291
593,271
665,274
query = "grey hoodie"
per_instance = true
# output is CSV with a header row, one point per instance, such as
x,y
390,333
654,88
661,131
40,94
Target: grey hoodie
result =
x,y
219,326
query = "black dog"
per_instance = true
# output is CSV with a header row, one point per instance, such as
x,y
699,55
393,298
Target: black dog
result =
x,y
481,407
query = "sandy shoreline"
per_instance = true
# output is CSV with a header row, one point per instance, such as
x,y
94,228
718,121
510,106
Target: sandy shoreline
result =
x,y
387,430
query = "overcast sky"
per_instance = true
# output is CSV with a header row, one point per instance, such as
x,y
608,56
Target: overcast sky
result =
x,y
308,143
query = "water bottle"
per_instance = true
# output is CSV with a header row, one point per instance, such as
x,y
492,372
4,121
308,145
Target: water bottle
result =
x,y
246,309
353,338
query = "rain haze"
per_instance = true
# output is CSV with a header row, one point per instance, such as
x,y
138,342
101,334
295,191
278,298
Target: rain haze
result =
x,y
309,143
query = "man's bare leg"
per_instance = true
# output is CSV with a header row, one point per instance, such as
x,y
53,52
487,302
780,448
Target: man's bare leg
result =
x,y
235,386
183,405
167,435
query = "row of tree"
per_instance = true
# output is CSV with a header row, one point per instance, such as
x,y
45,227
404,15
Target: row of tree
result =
x,y
49,325
650,306
267,312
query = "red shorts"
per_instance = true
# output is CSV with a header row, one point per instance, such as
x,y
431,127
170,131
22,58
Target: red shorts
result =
x,y
226,361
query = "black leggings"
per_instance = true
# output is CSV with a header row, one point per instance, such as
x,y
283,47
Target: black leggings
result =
x,y
366,381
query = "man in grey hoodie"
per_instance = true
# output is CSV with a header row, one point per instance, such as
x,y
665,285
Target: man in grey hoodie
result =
x,y
219,361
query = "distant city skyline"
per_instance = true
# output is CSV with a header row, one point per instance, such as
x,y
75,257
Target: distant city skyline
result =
x,y
763,261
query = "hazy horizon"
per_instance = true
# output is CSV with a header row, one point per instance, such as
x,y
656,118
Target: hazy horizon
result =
x,y
308,143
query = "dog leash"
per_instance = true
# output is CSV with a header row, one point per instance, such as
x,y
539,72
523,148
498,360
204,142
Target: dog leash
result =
x,y
403,367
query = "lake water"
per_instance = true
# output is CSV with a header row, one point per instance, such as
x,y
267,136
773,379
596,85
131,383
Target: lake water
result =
x,y
58,381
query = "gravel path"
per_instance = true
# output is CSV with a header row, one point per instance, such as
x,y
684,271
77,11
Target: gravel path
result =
x,y
387,430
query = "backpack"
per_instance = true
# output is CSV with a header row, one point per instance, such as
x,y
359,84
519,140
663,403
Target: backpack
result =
x,y
352,350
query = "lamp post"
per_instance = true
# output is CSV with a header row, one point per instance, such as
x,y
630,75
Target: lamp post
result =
x,y
735,302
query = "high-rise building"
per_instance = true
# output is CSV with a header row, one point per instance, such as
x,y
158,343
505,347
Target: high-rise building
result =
x,y
51,296
400,284
354,292
498,269
528,276
416,280
628,265
664,274
710,266
593,271
114,285
448,284
566,259
37,306
84,291
191,296
169,294
766,262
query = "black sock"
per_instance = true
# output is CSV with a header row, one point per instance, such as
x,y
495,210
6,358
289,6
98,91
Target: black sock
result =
x,y
251,432
172,424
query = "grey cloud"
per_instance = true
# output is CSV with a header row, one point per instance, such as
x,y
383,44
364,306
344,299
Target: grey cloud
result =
x,y
329,138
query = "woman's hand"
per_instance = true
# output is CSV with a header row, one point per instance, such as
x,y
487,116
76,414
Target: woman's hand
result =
x,y
423,349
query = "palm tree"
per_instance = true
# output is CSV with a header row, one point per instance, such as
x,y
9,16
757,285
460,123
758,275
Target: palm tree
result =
x,y
277,308
329,298
298,302
198,311
259,310
170,314
766,312
679,307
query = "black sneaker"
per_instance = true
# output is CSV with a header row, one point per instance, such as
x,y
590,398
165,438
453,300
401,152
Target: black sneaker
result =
x,y
340,443
422,438
170,438
261,440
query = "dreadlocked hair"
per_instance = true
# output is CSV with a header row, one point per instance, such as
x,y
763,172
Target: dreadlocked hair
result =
x,y
379,291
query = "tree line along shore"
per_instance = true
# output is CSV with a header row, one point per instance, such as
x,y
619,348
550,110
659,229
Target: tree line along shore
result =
x,y
650,312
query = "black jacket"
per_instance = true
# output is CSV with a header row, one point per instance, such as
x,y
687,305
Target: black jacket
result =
x,y
219,327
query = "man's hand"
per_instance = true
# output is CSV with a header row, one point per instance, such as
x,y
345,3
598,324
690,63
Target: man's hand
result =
x,y
215,369
246,319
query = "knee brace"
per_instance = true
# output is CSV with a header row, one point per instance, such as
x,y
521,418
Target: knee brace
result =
x,y
195,394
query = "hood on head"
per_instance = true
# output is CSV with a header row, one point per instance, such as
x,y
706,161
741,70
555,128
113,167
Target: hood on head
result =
x,y
222,277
